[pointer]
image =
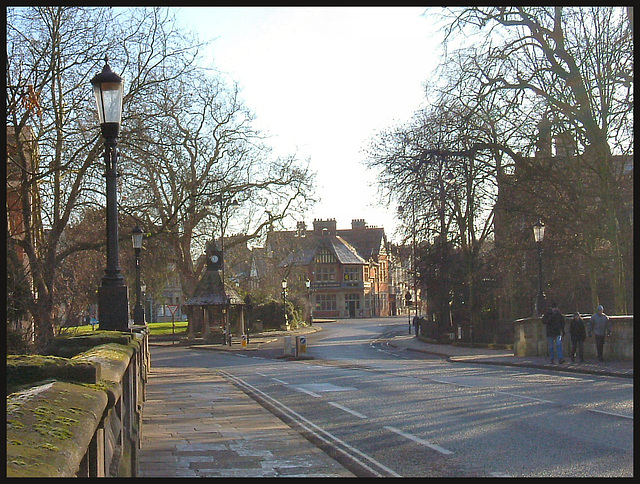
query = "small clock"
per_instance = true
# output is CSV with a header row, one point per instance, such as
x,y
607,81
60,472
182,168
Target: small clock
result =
x,y
214,258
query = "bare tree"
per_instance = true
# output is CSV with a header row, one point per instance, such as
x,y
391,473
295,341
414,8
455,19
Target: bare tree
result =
x,y
579,61
198,167
52,52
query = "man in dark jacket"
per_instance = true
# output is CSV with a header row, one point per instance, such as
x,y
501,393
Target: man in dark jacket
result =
x,y
578,335
554,320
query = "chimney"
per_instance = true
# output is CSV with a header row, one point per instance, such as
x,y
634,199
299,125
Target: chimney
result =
x,y
358,224
565,145
324,227
301,229
544,137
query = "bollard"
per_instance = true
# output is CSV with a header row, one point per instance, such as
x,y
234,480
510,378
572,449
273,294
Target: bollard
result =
x,y
301,345
244,340
288,350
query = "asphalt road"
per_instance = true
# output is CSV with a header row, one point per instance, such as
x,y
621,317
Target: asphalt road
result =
x,y
387,413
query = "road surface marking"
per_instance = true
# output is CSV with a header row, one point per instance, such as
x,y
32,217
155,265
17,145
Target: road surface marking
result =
x,y
426,443
308,392
610,413
318,431
279,381
525,397
348,410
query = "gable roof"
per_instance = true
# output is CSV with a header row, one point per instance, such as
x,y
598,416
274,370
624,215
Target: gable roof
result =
x,y
209,292
370,242
308,248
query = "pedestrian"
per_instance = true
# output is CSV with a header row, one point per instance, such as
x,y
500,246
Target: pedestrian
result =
x,y
599,327
554,320
578,335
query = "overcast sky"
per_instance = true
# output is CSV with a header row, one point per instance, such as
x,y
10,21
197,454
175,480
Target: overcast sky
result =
x,y
322,81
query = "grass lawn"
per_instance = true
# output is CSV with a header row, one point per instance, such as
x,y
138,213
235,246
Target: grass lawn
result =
x,y
154,328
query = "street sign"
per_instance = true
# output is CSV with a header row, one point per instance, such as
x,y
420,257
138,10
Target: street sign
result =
x,y
172,308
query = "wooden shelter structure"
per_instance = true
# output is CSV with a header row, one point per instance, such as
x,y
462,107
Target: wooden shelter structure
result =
x,y
215,310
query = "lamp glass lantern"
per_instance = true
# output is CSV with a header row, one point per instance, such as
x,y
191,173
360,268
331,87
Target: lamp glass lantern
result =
x,y
136,237
284,283
108,89
538,231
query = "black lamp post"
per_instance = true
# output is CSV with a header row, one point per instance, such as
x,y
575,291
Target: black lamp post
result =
x,y
138,310
113,295
538,235
284,303
307,283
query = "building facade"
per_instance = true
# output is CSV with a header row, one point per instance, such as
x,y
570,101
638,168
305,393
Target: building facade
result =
x,y
347,270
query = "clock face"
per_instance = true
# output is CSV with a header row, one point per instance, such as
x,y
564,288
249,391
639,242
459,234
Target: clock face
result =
x,y
214,258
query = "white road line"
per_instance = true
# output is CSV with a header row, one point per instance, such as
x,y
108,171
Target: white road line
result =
x,y
610,413
241,356
308,392
348,410
426,443
318,431
525,397
262,374
279,381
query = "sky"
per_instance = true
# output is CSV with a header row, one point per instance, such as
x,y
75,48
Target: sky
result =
x,y
322,81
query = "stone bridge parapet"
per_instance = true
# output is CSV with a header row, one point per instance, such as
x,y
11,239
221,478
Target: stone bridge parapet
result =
x,y
77,412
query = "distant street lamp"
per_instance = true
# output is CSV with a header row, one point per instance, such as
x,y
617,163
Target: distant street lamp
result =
x,y
138,310
284,303
113,296
413,264
538,235
307,283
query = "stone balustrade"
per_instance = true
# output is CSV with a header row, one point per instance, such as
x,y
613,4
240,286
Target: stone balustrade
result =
x,y
78,414
531,339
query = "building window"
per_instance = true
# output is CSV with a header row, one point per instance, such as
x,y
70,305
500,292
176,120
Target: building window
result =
x,y
325,256
326,302
352,297
325,273
352,273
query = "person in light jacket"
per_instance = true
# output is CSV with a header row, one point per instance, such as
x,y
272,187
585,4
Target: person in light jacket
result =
x,y
578,335
600,327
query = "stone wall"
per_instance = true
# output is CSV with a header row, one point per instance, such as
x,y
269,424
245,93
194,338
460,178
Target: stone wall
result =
x,y
531,340
78,415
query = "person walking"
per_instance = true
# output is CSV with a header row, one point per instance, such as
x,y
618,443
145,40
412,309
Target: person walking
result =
x,y
416,325
578,335
600,326
554,320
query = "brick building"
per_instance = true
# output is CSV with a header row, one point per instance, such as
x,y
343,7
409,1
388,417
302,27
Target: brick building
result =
x,y
347,269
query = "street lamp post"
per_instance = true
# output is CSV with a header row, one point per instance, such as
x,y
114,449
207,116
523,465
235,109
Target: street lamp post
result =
x,y
138,310
413,264
284,303
307,283
538,235
113,295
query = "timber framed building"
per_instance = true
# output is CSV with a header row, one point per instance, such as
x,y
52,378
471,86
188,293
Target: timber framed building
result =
x,y
347,270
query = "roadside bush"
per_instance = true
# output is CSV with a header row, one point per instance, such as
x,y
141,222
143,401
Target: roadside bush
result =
x,y
17,343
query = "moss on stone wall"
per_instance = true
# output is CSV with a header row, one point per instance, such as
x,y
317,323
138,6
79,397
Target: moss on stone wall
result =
x,y
25,370
49,428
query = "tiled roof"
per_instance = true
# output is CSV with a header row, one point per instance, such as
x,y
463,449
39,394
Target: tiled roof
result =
x,y
209,292
309,246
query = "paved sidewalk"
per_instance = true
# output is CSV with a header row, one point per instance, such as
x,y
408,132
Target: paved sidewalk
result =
x,y
198,424
507,358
